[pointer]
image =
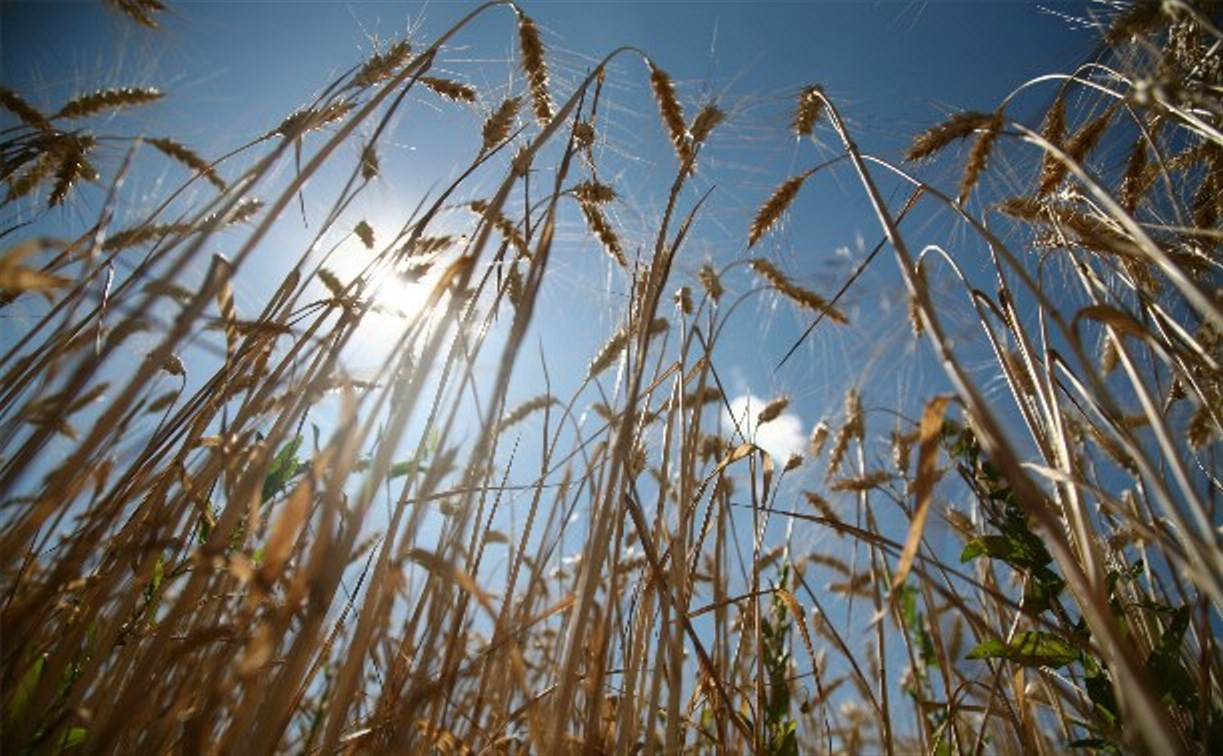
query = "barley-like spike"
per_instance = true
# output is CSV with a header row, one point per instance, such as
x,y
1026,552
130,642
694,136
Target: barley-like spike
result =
x,y
532,49
43,168
594,192
28,114
608,354
1077,147
1053,130
513,286
73,166
1138,19
497,128
1206,200
365,233
861,483
1015,367
503,225
810,107
915,316
797,294
839,447
142,234
854,427
774,207
244,211
902,445
979,155
108,99
1202,429
709,395
819,434
140,11
222,271
310,119
1089,231
1108,354
520,413
451,90
821,505
1053,127
423,246
1085,139
1024,208
937,137
710,281
370,166
182,154
707,119
710,447
584,134
381,66
772,410
600,227
672,113
683,300
332,282
616,344
1131,182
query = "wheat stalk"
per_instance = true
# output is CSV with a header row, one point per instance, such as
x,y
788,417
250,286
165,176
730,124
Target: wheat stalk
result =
x,y
532,48
182,154
807,114
497,126
958,126
108,99
451,90
803,297
382,65
671,111
1076,149
28,114
142,12
773,208
772,410
979,155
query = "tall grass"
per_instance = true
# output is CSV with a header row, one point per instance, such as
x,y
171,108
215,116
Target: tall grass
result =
x,y
454,563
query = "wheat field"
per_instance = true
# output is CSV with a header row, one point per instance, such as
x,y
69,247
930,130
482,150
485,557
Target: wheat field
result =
x,y
278,476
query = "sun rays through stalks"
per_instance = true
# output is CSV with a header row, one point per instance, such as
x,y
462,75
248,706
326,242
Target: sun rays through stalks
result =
x,y
282,470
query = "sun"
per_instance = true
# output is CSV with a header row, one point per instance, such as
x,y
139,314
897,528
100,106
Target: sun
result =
x,y
395,291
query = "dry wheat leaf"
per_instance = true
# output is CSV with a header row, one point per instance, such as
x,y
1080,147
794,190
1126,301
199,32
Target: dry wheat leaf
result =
x,y
927,457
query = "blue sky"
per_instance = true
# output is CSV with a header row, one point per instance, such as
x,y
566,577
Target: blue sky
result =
x,y
232,70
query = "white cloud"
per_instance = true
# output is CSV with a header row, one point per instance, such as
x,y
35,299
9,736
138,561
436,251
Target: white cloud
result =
x,y
781,437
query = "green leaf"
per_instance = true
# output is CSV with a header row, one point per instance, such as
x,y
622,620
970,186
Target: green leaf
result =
x,y
152,600
1100,691
1165,665
1016,550
1029,649
925,646
73,738
785,740
406,467
907,596
25,689
1040,592
284,466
